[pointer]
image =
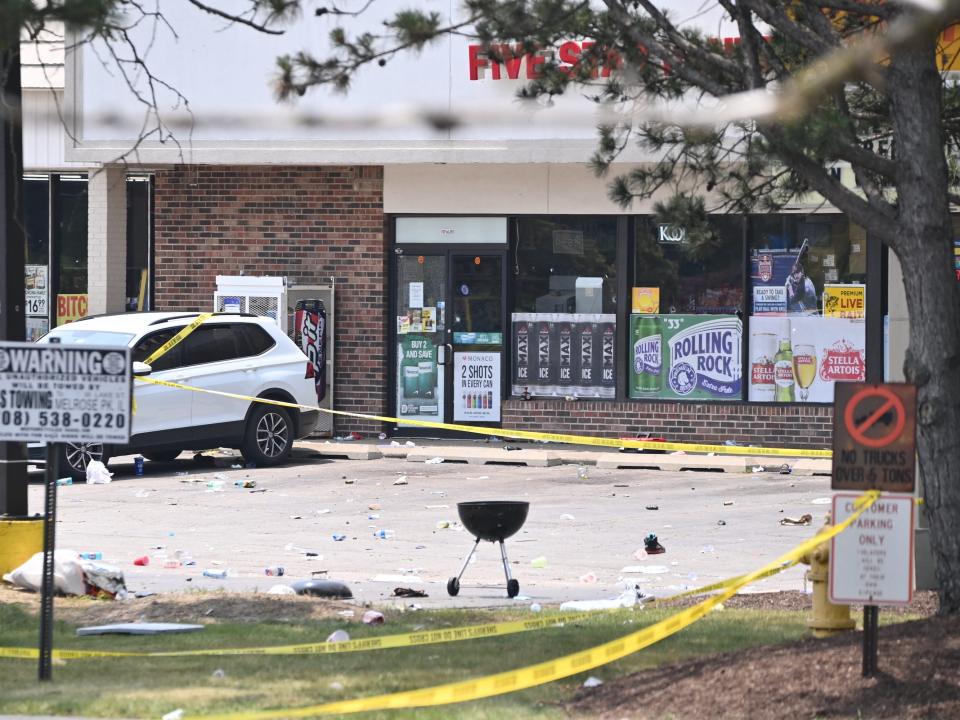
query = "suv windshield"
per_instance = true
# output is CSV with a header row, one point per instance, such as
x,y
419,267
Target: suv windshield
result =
x,y
89,337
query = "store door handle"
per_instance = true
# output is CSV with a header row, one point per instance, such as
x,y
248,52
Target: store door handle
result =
x,y
444,357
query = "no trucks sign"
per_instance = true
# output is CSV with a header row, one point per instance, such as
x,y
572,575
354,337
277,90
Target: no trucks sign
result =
x,y
64,393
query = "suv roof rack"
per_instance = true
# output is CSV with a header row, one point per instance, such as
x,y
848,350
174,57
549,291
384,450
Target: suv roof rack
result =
x,y
194,314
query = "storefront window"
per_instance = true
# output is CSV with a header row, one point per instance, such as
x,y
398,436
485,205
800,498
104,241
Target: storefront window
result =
x,y
138,243
686,305
36,220
808,306
564,272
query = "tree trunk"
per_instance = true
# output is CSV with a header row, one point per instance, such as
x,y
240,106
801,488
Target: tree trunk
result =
x,y
923,244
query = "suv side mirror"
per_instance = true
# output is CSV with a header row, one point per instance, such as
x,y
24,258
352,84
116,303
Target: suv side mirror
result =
x,y
140,368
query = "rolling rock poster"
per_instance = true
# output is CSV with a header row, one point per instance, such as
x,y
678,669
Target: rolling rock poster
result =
x,y
686,357
564,354
419,379
798,359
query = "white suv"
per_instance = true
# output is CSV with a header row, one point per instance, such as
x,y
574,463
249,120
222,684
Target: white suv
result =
x,y
230,352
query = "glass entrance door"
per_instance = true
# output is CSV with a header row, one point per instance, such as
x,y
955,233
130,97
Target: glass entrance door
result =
x,y
476,335
449,358
421,294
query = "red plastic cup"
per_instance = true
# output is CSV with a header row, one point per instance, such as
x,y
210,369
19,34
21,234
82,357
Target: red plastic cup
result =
x,y
143,560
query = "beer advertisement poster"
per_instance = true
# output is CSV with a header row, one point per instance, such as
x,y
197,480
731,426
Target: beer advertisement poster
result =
x,y
799,359
686,357
564,354
419,379
476,381
845,301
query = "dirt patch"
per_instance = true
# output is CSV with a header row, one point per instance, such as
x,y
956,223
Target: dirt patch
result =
x,y
194,607
919,677
924,604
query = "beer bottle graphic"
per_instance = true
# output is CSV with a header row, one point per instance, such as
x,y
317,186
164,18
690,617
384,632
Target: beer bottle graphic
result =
x,y
783,373
647,356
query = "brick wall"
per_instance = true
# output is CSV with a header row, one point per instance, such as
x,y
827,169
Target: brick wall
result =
x,y
767,425
307,223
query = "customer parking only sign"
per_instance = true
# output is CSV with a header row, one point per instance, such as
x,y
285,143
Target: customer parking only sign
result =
x,y
51,393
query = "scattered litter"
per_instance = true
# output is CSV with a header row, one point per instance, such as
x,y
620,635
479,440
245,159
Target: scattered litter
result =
x,y
409,592
653,507
652,546
182,473
645,569
512,447
142,561
274,571
821,501
141,493
235,466
219,674
372,617
339,537
567,516
346,613
245,483
338,636
138,629
757,468
373,506
707,549
539,562
91,556
215,574
336,685
214,486
721,522
437,507
348,482
384,534
173,715
281,590
97,473
535,607
382,436
621,485
727,503
443,524
582,473
588,579
626,599
67,573
373,516
410,443
402,480
592,682
804,519
65,481
432,461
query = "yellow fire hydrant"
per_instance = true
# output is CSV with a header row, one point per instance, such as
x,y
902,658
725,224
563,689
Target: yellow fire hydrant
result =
x,y
827,619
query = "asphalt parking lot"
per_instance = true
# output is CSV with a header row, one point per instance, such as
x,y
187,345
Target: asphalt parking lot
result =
x,y
583,538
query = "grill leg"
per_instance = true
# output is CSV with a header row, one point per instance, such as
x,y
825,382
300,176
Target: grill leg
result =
x,y
506,563
467,561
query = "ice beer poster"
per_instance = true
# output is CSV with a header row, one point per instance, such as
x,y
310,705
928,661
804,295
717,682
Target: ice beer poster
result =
x,y
686,357
564,354
420,379
799,359
476,382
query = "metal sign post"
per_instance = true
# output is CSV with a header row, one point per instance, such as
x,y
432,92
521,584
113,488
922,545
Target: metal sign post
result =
x,y
874,448
49,546
54,393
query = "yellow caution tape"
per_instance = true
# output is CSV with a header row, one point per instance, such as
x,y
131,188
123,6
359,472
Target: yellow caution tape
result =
x,y
178,338
523,434
384,642
558,668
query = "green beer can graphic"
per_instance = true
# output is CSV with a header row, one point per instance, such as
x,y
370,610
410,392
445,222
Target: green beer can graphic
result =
x,y
647,338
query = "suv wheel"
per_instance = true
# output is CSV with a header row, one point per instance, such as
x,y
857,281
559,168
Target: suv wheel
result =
x,y
268,438
76,456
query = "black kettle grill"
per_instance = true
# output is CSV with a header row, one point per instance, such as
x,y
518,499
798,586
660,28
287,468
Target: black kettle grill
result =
x,y
493,521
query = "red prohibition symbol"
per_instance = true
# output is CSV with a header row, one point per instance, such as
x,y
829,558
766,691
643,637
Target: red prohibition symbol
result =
x,y
858,432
